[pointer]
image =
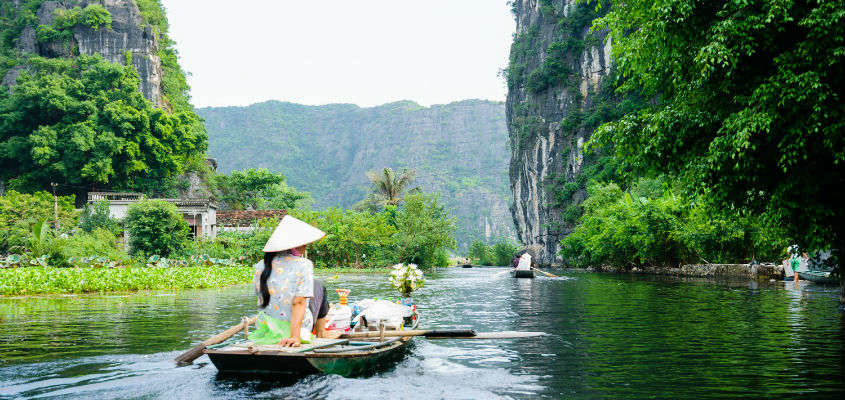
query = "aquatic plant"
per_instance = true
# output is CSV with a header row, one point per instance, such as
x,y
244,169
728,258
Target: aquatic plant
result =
x,y
92,262
34,280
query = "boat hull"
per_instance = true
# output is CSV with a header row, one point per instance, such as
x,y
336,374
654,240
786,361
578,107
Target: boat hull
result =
x,y
351,364
522,273
817,277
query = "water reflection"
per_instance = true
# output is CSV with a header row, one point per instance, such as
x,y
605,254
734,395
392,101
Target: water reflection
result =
x,y
610,336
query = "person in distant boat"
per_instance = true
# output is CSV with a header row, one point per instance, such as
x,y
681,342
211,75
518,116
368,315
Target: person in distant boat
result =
x,y
794,260
525,262
515,261
284,282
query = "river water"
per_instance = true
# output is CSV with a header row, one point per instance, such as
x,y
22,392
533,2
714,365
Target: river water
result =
x,y
610,336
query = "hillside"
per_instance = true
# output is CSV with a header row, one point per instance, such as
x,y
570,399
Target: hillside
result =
x,y
458,149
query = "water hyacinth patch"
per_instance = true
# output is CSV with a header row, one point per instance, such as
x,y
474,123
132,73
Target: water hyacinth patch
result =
x,y
37,280
92,261
406,278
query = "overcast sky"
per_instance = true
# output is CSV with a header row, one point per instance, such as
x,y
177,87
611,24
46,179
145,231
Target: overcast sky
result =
x,y
366,52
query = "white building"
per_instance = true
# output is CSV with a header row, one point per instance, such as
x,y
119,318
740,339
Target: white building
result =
x,y
200,214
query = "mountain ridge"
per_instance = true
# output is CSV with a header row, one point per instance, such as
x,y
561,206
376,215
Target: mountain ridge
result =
x,y
458,149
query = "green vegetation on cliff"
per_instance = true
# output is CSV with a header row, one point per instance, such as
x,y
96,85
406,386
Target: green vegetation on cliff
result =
x,y
80,120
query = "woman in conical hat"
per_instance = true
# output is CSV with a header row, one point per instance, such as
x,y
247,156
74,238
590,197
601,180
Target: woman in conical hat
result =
x,y
283,284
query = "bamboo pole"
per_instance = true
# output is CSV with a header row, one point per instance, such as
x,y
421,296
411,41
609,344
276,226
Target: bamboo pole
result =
x,y
196,351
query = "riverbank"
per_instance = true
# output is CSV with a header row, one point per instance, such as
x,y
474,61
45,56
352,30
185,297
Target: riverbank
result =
x,y
733,271
50,280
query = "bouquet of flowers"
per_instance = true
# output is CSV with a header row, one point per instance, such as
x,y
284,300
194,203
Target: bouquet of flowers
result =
x,y
406,278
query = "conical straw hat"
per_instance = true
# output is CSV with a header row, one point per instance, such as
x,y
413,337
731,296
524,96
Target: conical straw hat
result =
x,y
292,233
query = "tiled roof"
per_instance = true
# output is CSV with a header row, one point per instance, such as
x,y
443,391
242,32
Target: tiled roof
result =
x,y
246,218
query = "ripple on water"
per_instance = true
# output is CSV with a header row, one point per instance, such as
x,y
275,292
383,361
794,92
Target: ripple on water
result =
x,y
615,336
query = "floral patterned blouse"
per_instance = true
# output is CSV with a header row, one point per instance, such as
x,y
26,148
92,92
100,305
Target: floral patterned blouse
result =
x,y
291,277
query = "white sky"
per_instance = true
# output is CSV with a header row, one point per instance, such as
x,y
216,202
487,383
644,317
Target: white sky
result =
x,y
366,52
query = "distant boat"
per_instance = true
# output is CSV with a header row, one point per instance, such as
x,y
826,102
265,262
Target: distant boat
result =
x,y
822,277
522,273
466,266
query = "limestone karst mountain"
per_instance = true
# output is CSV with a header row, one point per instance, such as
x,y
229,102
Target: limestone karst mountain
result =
x,y
557,95
458,150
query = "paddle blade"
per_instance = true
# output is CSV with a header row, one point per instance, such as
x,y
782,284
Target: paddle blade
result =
x,y
491,335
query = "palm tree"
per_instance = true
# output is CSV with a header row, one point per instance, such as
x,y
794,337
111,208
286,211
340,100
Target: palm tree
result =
x,y
388,185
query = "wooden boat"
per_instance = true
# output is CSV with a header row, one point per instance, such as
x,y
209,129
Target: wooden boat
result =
x,y
522,273
466,266
822,277
359,357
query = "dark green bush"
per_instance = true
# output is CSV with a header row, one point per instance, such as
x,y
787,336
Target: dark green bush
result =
x,y
96,216
155,227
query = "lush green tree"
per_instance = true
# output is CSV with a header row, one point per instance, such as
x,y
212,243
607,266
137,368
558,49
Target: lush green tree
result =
x,y
353,238
479,253
502,252
155,227
389,185
424,227
258,188
82,122
747,105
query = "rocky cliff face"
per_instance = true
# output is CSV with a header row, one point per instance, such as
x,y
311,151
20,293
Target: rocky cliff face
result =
x,y
555,76
457,149
128,33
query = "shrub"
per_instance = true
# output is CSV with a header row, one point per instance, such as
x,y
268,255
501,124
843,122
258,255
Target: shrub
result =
x,y
441,258
243,247
19,212
155,227
503,252
500,253
650,225
96,216
100,242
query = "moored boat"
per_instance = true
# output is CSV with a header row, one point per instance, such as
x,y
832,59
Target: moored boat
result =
x,y
818,277
522,273
328,356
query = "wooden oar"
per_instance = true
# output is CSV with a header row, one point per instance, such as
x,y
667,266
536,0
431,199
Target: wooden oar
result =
x,y
446,334
502,272
195,352
545,273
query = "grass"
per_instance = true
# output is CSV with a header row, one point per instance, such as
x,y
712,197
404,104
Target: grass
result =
x,y
42,280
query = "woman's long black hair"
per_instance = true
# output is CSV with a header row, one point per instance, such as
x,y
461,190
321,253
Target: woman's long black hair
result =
x,y
268,268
